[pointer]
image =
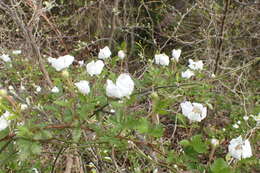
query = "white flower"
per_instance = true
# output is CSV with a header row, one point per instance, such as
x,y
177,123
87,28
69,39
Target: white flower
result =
x,y
236,126
123,88
176,53
61,62
257,118
162,59
239,148
214,142
213,75
95,68
16,52
38,89
4,122
121,54
22,88
112,90
83,86
24,106
245,117
5,58
11,88
187,74
27,99
104,53
155,170
238,122
55,90
193,111
35,170
81,63
195,65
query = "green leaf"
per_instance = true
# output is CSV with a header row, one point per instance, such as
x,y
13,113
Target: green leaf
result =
x,y
181,119
160,106
143,126
123,45
28,148
64,103
35,148
171,157
220,166
184,142
198,145
67,115
86,110
76,134
156,131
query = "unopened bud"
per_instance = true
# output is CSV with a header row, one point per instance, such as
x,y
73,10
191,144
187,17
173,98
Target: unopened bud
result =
x,y
154,95
214,142
65,73
3,92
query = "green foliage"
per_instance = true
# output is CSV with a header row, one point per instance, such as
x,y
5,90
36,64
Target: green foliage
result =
x,y
220,166
196,144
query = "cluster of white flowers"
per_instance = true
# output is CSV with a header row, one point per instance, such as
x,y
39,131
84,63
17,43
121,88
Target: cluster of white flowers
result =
x,y
124,85
93,68
193,65
5,58
16,52
164,60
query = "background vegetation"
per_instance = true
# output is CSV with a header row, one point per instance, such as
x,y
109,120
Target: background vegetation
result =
x,y
69,132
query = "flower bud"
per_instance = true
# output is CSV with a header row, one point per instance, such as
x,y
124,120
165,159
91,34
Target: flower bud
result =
x,y
214,142
65,73
154,95
3,92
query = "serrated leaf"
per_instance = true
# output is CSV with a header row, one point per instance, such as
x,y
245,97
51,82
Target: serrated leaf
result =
x,y
198,145
220,166
184,143
143,125
156,131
